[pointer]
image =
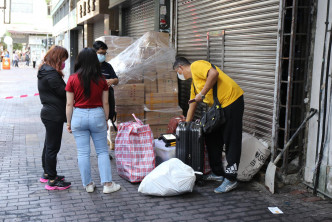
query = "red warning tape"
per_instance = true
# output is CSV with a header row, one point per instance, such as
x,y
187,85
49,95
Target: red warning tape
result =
x,y
21,96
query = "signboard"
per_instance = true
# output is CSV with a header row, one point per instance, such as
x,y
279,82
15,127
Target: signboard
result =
x,y
87,9
35,40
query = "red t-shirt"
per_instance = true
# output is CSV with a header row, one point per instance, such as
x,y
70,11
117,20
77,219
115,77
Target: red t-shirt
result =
x,y
96,91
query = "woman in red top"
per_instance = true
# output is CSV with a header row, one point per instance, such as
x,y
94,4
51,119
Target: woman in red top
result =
x,y
87,92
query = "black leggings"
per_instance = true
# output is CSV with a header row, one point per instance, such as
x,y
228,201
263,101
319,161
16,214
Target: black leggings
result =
x,y
51,146
229,134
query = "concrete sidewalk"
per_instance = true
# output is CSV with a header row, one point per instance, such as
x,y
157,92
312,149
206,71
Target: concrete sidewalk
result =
x,y
23,197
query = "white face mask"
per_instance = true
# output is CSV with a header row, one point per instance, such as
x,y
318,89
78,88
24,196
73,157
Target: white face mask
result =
x,y
181,76
101,57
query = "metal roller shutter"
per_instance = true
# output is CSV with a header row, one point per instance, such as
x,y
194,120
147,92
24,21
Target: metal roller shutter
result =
x,y
251,35
98,29
139,18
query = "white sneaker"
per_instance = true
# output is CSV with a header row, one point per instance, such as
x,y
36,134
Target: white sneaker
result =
x,y
110,189
91,187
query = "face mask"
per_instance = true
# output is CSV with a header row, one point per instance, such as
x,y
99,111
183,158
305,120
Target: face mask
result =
x,y
181,76
63,66
101,57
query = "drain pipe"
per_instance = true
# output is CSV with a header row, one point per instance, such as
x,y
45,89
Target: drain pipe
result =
x,y
323,137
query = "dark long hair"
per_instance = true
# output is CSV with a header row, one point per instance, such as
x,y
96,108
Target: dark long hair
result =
x,y
87,68
54,58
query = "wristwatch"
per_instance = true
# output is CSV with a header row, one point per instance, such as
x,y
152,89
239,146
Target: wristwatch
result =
x,y
203,97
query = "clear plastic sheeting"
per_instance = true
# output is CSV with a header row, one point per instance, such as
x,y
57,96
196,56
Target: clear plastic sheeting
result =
x,y
148,86
115,44
149,57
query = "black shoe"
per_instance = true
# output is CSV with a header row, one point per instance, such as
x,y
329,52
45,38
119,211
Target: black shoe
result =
x,y
57,185
44,178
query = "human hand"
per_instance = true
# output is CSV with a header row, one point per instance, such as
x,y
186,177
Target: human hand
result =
x,y
69,128
198,98
109,82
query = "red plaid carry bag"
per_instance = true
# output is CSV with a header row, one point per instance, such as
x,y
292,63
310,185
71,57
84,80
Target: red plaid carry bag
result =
x,y
134,150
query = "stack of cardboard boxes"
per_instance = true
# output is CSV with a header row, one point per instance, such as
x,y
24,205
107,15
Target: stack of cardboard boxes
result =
x,y
154,96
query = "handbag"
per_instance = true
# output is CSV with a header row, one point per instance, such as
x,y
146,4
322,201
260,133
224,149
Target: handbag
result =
x,y
112,113
214,118
134,151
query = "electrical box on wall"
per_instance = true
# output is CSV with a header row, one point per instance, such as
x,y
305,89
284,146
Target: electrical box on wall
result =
x,y
164,16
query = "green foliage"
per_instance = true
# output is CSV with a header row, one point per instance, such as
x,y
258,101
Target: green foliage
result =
x,y
4,45
17,46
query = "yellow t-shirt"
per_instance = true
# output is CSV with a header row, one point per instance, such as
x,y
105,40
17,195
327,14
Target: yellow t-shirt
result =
x,y
228,90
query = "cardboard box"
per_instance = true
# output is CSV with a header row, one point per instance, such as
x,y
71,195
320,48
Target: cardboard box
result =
x,y
116,41
147,52
124,113
167,85
155,101
162,67
158,129
160,39
134,81
129,94
158,118
167,75
150,86
150,74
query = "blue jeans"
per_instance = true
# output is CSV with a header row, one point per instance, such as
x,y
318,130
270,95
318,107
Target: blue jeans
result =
x,y
86,123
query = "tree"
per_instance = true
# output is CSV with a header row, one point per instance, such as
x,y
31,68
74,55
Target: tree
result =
x,y
17,46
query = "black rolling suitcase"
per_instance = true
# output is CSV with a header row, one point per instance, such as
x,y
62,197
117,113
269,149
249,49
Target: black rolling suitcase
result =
x,y
190,146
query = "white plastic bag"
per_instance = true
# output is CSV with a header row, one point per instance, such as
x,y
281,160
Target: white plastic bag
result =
x,y
170,178
253,156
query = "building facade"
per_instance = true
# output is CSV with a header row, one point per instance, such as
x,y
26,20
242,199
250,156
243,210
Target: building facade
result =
x,y
318,166
30,23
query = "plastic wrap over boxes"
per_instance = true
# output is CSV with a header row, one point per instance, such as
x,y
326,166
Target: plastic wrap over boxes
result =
x,y
115,44
155,98
129,94
161,100
159,118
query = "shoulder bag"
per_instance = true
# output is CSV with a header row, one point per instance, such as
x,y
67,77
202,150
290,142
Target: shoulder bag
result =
x,y
214,118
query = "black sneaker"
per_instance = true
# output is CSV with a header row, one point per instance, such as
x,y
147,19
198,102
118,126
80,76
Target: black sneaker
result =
x,y
57,185
44,178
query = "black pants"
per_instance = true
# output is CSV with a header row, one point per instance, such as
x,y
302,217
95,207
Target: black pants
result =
x,y
229,134
34,64
51,146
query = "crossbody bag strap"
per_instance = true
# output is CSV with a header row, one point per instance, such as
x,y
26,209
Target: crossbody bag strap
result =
x,y
194,88
215,90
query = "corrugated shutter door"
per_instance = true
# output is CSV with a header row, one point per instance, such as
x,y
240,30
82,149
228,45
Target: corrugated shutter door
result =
x,y
98,29
139,19
251,30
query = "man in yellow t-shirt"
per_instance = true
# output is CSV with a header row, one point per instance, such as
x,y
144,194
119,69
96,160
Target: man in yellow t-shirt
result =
x,y
204,76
